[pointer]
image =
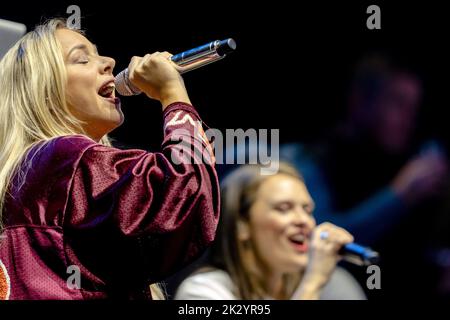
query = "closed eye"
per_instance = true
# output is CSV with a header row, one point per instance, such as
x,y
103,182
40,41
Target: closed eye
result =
x,y
81,52
284,206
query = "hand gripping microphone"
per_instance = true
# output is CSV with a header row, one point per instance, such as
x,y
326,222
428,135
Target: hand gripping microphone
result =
x,y
359,255
355,253
191,59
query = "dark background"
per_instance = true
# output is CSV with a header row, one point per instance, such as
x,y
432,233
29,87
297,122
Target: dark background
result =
x,y
291,68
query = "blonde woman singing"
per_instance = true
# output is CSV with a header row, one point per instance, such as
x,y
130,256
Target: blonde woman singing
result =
x,y
70,201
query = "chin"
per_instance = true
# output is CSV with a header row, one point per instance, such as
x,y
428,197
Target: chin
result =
x,y
114,119
295,264
300,262
117,122
106,126
115,125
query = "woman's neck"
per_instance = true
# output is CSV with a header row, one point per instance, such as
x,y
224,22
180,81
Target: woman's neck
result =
x,y
275,285
271,280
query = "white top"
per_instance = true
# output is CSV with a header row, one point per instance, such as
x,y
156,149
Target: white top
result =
x,y
217,285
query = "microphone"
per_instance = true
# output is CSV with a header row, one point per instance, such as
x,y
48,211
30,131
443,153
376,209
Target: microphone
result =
x,y
191,59
359,255
355,253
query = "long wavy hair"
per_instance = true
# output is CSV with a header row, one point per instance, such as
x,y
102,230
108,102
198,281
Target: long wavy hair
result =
x,y
33,104
239,190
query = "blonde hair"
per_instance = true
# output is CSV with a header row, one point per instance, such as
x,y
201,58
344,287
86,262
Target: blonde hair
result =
x,y
33,104
238,193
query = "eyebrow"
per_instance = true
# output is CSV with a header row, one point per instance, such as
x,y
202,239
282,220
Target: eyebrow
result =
x,y
82,47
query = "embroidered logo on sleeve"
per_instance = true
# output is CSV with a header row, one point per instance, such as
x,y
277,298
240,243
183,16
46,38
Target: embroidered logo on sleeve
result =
x,y
177,121
5,285
201,133
180,118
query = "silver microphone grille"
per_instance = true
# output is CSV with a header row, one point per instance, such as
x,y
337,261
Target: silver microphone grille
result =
x,y
123,85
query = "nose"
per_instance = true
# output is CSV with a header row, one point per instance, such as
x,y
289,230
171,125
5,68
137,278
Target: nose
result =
x,y
302,218
107,64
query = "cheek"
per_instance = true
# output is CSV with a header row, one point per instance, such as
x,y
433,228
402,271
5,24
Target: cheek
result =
x,y
270,227
80,86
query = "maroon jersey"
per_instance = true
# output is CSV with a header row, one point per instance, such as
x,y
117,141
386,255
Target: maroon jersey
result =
x,y
120,219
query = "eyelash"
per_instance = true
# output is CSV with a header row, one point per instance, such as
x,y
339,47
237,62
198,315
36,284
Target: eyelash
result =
x,y
283,207
286,207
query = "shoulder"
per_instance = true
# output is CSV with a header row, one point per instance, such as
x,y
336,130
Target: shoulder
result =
x,y
208,285
71,150
51,160
61,147
68,144
45,173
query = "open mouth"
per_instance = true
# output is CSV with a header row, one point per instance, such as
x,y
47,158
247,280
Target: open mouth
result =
x,y
299,242
108,91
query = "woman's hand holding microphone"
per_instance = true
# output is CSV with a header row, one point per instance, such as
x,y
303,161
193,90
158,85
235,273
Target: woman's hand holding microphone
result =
x,y
326,241
159,78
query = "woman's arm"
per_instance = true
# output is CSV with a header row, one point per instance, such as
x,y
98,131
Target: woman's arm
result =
x,y
147,214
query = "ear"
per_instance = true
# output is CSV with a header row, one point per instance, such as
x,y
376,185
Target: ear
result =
x,y
243,230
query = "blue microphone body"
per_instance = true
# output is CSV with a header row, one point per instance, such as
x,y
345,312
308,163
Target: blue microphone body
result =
x,y
190,60
189,54
359,255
